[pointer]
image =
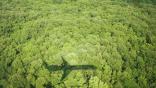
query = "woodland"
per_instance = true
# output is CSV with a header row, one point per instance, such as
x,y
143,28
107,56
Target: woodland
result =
x,y
118,37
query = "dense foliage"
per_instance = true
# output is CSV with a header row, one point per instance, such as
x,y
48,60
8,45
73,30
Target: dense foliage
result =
x,y
116,36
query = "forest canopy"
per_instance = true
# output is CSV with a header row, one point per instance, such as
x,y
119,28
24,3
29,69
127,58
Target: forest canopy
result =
x,y
118,37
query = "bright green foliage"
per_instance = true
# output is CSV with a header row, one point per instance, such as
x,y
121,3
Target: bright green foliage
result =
x,y
117,36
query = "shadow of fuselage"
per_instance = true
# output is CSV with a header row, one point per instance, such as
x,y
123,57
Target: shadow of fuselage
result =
x,y
70,67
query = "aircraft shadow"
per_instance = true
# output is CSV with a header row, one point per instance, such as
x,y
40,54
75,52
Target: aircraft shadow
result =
x,y
67,68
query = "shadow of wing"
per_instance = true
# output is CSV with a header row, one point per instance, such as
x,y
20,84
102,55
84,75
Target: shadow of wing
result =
x,y
65,74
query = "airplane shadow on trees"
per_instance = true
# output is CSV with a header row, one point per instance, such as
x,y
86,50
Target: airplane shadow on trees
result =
x,y
67,68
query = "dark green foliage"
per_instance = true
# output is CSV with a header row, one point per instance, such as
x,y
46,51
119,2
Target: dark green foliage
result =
x,y
142,1
116,36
